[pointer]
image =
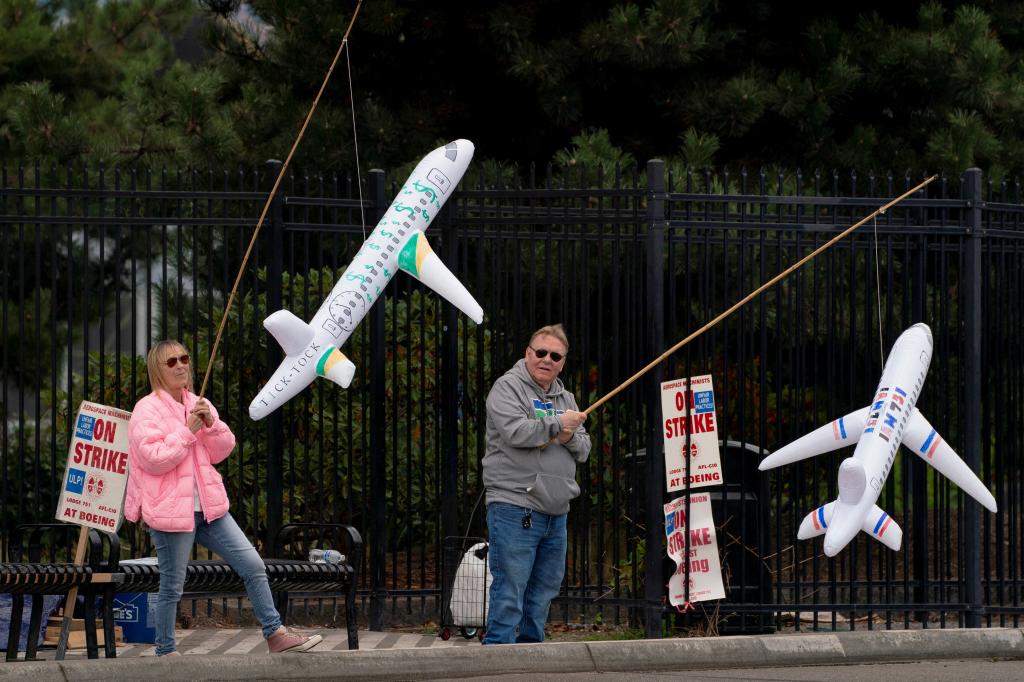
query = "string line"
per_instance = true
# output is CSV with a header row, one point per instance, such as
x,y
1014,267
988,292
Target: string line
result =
x,y
355,138
878,296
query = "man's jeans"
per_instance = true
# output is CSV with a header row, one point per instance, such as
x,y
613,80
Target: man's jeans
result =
x,y
227,540
527,565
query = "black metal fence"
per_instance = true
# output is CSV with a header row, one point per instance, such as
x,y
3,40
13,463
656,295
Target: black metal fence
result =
x,y
97,264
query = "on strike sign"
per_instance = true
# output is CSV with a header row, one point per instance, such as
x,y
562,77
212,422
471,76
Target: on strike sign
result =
x,y
705,568
704,464
97,470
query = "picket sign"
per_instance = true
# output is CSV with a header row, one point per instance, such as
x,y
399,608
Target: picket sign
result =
x,y
688,417
95,478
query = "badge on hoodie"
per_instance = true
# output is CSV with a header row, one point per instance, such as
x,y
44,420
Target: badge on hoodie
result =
x,y
542,409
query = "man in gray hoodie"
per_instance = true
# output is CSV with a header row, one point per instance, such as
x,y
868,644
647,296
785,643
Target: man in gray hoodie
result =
x,y
535,438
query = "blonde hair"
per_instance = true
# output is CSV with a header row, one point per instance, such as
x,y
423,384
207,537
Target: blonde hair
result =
x,y
555,330
156,357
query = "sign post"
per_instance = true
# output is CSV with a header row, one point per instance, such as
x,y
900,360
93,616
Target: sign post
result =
x,y
95,478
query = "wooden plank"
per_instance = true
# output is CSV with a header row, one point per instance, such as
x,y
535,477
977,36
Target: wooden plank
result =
x,y
105,578
76,634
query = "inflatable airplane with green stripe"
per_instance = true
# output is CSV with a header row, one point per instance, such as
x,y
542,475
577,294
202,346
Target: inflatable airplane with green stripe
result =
x,y
397,243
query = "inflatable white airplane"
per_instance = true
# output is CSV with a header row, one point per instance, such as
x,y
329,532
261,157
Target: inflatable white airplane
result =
x,y
878,430
397,243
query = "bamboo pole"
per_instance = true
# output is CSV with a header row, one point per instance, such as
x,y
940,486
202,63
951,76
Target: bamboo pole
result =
x,y
746,299
270,198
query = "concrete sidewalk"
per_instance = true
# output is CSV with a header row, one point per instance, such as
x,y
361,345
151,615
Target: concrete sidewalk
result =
x,y
453,660
206,641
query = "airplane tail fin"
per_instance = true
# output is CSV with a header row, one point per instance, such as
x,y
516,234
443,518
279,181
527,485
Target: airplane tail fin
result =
x,y
877,524
883,528
816,523
292,334
420,261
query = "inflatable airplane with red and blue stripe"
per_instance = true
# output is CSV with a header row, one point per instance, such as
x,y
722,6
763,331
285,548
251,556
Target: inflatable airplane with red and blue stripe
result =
x,y
878,430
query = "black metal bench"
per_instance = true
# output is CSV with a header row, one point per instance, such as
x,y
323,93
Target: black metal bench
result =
x,y
289,578
30,574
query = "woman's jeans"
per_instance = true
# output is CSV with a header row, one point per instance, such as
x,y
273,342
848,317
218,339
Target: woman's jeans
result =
x,y
527,565
224,538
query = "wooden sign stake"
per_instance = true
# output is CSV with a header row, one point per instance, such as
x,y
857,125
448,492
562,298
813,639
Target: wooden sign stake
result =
x,y
69,603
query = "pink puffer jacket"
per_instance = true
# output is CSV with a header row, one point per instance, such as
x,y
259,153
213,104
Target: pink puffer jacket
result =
x,y
166,460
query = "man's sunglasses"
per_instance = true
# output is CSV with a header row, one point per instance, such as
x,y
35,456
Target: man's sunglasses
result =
x,y
543,353
171,362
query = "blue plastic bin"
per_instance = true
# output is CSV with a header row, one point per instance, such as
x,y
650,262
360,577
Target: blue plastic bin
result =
x,y
135,612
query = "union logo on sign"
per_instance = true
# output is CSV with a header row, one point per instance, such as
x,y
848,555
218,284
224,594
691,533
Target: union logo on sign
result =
x,y
76,481
94,486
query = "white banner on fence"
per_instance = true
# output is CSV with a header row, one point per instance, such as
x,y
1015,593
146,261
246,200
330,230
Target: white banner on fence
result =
x,y
97,468
704,465
705,566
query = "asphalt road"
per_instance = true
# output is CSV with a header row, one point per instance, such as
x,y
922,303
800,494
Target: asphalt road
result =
x,y
924,671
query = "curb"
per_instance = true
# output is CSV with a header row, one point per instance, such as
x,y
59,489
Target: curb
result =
x,y
567,657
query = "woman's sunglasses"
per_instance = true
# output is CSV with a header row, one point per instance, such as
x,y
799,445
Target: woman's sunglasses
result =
x,y
544,352
183,359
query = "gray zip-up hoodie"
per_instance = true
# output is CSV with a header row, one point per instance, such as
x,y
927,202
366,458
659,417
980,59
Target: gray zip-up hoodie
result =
x,y
522,417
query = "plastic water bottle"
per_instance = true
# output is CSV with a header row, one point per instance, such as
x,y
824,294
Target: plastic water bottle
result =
x,y
326,556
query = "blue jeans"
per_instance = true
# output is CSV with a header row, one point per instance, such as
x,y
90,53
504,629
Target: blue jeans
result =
x,y
528,565
226,539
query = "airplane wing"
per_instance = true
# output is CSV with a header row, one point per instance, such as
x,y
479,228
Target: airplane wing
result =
x,y
927,444
832,436
877,524
420,261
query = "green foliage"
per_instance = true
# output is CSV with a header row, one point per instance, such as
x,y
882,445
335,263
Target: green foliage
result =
x,y
592,150
32,482
963,141
29,339
876,85
101,79
697,149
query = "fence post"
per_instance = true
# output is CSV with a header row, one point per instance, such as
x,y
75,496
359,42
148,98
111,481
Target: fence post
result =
x,y
449,391
972,392
275,425
378,432
918,467
654,578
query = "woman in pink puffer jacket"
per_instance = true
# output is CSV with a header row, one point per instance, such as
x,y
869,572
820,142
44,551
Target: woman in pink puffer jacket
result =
x,y
174,440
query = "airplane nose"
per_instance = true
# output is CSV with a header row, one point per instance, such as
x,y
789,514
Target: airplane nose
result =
x,y
925,329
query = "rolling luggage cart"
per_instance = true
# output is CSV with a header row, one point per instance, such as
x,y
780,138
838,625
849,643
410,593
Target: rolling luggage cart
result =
x,y
464,590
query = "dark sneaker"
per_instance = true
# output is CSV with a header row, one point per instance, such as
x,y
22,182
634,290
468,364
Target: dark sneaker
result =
x,y
286,640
